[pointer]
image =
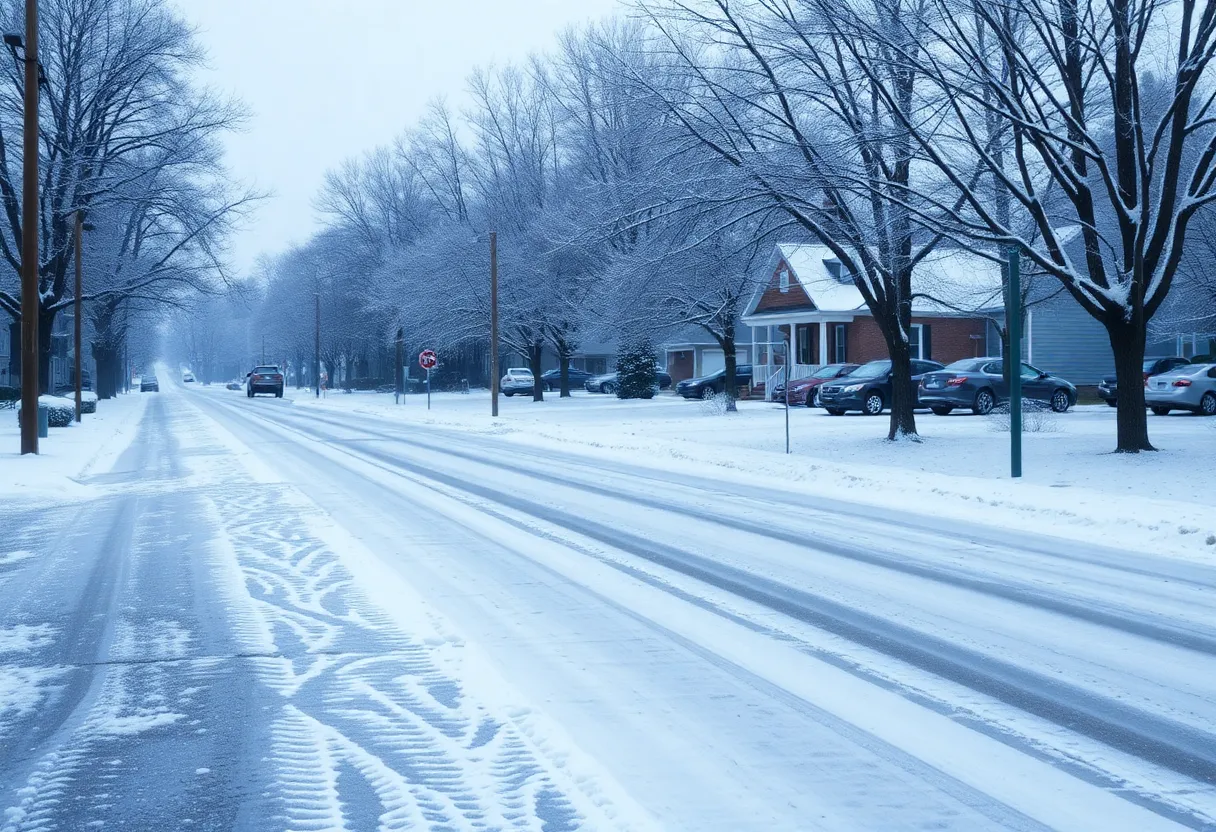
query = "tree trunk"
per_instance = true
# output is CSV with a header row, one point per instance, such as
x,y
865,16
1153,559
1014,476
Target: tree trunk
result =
x,y
1127,341
903,394
107,371
730,388
538,384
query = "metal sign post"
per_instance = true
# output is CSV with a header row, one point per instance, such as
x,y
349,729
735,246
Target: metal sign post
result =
x,y
1015,364
428,360
428,388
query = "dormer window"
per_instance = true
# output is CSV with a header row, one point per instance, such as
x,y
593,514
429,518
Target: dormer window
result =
x,y
836,270
783,279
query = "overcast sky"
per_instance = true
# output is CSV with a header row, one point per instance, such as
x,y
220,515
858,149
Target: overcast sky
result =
x,y
327,79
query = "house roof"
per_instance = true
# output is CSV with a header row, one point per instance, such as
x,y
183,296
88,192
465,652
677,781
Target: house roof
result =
x,y
958,281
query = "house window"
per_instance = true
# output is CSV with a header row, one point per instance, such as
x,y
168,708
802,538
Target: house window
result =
x,y
804,345
783,279
840,343
919,344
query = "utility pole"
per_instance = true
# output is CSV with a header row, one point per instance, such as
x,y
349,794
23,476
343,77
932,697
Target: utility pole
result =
x,y
30,383
494,324
316,357
77,237
1015,364
263,349
400,364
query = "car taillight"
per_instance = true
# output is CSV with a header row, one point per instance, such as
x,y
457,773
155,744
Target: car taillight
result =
x,y
956,381
1182,382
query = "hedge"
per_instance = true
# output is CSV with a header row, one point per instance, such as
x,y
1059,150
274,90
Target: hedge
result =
x,y
62,411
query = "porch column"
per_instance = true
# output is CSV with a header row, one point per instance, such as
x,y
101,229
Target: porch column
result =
x,y
823,343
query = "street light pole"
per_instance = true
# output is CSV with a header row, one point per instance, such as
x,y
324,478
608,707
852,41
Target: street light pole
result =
x,y
30,385
494,324
1015,364
316,357
400,364
77,237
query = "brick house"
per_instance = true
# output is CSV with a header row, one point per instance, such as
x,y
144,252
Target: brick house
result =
x,y
804,294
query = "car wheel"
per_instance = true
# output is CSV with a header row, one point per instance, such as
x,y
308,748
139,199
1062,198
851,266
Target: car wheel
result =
x,y
873,404
1207,405
835,411
609,388
708,392
249,393
984,402
1113,402
812,399
942,410
1060,401
1160,411
508,393
278,394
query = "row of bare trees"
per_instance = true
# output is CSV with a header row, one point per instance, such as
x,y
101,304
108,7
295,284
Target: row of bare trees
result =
x,y
131,141
639,173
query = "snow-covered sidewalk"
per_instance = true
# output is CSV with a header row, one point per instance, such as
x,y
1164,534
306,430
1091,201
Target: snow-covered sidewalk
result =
x,y
1074,487
68,455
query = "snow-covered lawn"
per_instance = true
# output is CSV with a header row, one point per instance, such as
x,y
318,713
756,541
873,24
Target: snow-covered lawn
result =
x,y
68,454
1072,486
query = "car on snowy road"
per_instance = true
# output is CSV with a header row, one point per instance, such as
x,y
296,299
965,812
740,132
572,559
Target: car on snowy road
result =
x,y
978,385
868,388
149,384
264,379
714,384
609,382
553,378
517,380
1189,387
803,391
1108,387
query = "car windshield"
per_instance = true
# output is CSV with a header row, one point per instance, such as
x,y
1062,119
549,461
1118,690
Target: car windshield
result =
x,y
872,370
829,371
971,364
1187,370
520,373
265,370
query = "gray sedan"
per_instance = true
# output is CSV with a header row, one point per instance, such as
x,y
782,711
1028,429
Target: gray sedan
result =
x,y
979,384
1189,387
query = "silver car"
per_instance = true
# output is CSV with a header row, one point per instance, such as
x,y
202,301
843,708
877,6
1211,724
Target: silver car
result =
x,y
1189,387
517,380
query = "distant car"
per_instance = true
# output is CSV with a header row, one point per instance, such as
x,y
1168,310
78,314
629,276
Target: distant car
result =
x,y
1108,388
1188,387
705,387
979,384
264,379
188,377
868,388
234,385
803,391
148,384
553,378
609,382
517,380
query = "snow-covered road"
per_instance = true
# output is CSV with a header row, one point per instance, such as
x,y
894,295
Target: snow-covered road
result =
x,y
289,618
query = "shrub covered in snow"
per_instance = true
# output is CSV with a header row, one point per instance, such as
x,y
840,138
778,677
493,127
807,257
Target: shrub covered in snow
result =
x,y
9,396
637,371
88,401
1037,417
62,411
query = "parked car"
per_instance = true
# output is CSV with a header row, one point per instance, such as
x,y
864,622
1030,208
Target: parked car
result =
x,y
188,377
148,384
868,388
1188,387
234,385
703,387
517,380
553,378
803,391
979,384
264,379
608,383
1108,388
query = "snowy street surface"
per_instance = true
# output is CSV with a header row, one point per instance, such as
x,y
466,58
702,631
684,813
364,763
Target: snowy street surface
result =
x,y
265,615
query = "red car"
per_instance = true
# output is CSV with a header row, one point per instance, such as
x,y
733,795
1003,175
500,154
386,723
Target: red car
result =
x,y
802,390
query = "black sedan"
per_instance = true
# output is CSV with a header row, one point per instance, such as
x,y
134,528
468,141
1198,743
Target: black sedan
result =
x,y
714,384
552,379
608,383
979,384
1108,388
868,388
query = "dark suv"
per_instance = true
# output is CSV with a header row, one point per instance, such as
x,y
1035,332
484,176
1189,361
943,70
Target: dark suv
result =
x,y
264,380
868,388
1108,388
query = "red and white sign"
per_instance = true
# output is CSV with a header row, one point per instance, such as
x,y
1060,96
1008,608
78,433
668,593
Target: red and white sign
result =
x,y
427,359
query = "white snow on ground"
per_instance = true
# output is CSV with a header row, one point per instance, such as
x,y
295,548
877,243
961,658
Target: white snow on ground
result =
x,y
23,637
1073,486
68,454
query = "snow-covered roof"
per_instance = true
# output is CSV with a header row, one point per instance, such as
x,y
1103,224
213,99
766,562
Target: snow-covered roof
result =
x,y
956,280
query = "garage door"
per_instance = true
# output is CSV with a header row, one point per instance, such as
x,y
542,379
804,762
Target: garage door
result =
x,y
712,361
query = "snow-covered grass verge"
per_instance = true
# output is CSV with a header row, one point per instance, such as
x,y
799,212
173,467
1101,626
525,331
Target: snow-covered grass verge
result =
x,y
68,454
1073,485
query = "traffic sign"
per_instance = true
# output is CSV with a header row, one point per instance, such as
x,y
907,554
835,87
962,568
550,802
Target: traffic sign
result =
x,y
427,359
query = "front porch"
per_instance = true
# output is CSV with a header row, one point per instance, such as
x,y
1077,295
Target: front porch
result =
x,y
812,344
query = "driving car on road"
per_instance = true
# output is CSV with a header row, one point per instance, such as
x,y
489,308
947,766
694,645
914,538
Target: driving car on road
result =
x,y
553,378
264,379
1189,387
149,384
868,388
1108,387
979,384
713,384
187,377
608,383
517,380
803,391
